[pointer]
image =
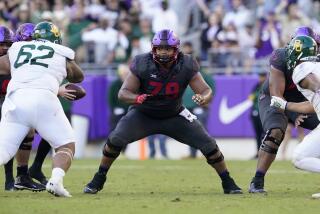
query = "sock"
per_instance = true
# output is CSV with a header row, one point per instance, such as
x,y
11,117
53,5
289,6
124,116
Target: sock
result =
x,y
57,173
22,170
260,174
43,149
224,175
8,169
103,170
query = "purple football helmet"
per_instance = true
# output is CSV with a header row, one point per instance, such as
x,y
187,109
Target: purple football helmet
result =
x,y
165,38
24,32
6,39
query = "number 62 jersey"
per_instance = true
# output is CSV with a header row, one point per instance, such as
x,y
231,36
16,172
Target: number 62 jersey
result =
x,y
38,64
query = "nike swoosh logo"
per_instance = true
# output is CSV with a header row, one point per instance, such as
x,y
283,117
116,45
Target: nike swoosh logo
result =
x,y
228,115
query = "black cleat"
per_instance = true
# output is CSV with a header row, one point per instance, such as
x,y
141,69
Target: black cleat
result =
x,y
230,187
257,185
9,185
38,175
24,182
96,184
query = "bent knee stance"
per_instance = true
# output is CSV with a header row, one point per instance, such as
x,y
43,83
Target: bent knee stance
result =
x,y
272,140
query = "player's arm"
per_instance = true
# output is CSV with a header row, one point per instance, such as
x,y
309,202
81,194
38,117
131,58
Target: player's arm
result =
x,y
303,107
203,92
129,90
74,72
4,65
277,82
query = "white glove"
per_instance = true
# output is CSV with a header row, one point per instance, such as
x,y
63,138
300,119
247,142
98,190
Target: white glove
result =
x,y
278,102
188,115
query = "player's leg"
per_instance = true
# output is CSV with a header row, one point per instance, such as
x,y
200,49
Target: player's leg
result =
x,y
23,180
163,148
306,155
36,168
152,146
274,123
286,139
195,135
122,135
60,135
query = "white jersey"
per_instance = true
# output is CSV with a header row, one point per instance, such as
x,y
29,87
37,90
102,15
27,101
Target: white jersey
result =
x,y
299,73
38,64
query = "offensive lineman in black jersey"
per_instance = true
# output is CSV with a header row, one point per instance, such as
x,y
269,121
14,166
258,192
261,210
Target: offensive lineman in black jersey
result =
x,y
155,87
274,121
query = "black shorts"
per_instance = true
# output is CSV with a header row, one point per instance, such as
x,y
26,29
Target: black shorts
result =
x,y
135,125
272,117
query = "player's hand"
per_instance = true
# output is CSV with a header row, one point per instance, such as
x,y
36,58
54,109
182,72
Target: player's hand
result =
x,y
66,93
278,102
141,98
198,98
300,119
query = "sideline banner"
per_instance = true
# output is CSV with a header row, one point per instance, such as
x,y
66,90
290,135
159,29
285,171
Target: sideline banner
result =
x,y
229,111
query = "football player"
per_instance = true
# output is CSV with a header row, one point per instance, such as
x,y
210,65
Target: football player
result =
x,y
23,180
37,69
274,122
302,58
155,87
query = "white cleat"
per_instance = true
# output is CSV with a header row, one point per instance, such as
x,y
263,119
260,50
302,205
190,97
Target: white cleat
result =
x,y
316,195
55,187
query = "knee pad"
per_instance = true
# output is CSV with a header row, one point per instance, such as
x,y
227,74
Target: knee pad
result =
x,y
215,159
110,150
272,140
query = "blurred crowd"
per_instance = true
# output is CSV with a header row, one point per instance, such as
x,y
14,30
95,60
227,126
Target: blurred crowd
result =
x,y
230,34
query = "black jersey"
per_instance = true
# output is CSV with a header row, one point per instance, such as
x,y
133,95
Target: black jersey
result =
x,y
278,61
166,87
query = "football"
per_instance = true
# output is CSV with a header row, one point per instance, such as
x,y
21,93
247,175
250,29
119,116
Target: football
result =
x,y
79,91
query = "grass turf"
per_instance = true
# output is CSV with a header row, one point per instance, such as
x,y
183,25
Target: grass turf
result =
x,y
167,186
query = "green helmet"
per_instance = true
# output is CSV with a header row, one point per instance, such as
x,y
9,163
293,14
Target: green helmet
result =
x,y
301,48
47,31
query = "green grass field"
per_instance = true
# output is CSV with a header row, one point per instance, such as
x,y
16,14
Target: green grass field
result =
x,y
166,186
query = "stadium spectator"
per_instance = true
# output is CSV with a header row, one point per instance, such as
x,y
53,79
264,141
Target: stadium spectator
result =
x,y
165,18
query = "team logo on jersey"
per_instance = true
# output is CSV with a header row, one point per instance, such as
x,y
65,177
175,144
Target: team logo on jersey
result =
x,y
153,76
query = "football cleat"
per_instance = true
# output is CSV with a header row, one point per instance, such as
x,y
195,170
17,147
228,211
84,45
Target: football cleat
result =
x,y
96,184
38,175
230,187
257,185
316,196
24,182
55,187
